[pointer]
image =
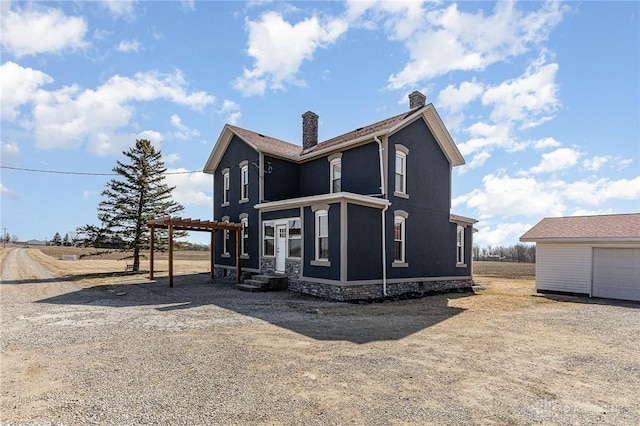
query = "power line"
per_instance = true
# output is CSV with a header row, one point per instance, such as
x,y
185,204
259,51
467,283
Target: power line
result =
x,y
59,172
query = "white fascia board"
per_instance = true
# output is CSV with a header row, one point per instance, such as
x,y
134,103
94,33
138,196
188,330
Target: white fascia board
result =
x,y
221,147
363,200
626,240
340,147
454,218
439,131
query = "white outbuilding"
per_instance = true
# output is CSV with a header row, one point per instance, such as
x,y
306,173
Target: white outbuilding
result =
x,y
597,256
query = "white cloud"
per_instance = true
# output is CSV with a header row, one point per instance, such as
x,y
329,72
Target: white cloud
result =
x,y
171,158
6,192
279,48
505,196
478,160
496,235
88,194
232,112
121,8
546,143
35,29
127,46
191,188
10,153
484,136
188,5
526,98
19,86
94,117
455,99
469,41
151,135
560,159
183,132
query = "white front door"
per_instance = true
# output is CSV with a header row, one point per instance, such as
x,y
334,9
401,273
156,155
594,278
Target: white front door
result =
x,y
281,247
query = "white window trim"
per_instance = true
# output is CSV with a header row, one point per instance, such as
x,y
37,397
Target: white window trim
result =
x,y
460,247
334,160
403,153
244,181
319,214
264,238
400,216
244,254
297,237
226,184
225,239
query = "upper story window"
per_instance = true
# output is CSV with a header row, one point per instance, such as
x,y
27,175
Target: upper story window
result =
x,y
460,245
335,172
400,189
399,238
244,181
225,187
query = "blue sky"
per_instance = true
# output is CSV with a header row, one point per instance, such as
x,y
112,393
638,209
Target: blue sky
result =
x,y
542,99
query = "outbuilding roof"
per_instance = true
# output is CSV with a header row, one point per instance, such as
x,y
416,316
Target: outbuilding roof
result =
x,y
613,227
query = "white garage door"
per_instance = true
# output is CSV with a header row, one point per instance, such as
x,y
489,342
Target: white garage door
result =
x,y
616,273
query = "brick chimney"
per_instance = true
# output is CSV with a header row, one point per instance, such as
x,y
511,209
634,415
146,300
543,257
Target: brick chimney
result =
x,y
416,100
309,130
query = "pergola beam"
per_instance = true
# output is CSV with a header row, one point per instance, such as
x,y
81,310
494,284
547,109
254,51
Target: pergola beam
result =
x,y
197,225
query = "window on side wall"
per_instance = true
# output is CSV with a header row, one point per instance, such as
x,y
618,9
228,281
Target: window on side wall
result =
x,y
244,242
322,235
244,182
225,239
225,186
460,245
336,175
294,239
269,234
400,188
399,239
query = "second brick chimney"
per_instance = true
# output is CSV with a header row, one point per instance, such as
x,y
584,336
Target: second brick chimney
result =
x,y
416,100
309,130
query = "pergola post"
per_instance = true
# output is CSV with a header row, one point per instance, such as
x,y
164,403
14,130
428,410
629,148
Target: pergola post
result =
x,y
170,255
238,269
153,236
213,253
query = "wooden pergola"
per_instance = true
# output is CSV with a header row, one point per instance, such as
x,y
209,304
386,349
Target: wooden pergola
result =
x,y
186,224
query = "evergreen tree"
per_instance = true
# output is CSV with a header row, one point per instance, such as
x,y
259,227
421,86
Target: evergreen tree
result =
x,y
137,195
57,239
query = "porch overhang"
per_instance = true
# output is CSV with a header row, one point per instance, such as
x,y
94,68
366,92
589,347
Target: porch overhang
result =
x,y
362,200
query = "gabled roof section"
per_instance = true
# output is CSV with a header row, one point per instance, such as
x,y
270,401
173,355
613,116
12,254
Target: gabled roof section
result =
x,y
257,141
280,148
614,227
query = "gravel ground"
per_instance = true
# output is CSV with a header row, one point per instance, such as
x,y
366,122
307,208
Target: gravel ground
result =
x,y
205,353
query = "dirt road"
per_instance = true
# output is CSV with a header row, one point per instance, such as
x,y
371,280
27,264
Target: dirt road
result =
x,y
204,353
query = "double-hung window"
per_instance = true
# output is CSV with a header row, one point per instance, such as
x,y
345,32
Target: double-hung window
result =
x,y
225,187
269,238
335,172
400,188
322,235
460,245
294,239
225,239
244,181
400,238
244,242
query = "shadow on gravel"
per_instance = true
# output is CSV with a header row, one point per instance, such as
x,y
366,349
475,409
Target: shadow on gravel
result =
x,y
566,297
76,277
306,315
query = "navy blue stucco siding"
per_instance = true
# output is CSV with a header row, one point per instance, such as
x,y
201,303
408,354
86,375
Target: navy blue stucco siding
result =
x,y
236,152
314,177
281,214
361,170
281,179
331,272
364,243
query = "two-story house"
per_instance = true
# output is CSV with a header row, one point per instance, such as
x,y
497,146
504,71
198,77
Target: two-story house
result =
x,y
363,215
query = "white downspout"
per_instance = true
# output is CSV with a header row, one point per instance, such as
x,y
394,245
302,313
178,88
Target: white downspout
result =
x,y
384,210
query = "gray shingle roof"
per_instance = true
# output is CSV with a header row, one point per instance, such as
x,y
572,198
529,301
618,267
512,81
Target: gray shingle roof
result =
x,y
600,227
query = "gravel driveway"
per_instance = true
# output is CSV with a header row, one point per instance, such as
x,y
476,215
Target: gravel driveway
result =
x,y
205,353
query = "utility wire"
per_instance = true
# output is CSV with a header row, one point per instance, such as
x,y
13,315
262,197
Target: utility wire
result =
x,y
87,173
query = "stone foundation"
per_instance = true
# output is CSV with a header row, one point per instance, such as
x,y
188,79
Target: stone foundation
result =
x,y
363,292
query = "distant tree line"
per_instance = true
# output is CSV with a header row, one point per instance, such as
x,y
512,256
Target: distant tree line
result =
x,y
517,253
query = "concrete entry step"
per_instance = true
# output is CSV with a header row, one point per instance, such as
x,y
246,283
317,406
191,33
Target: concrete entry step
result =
x,y
250,287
